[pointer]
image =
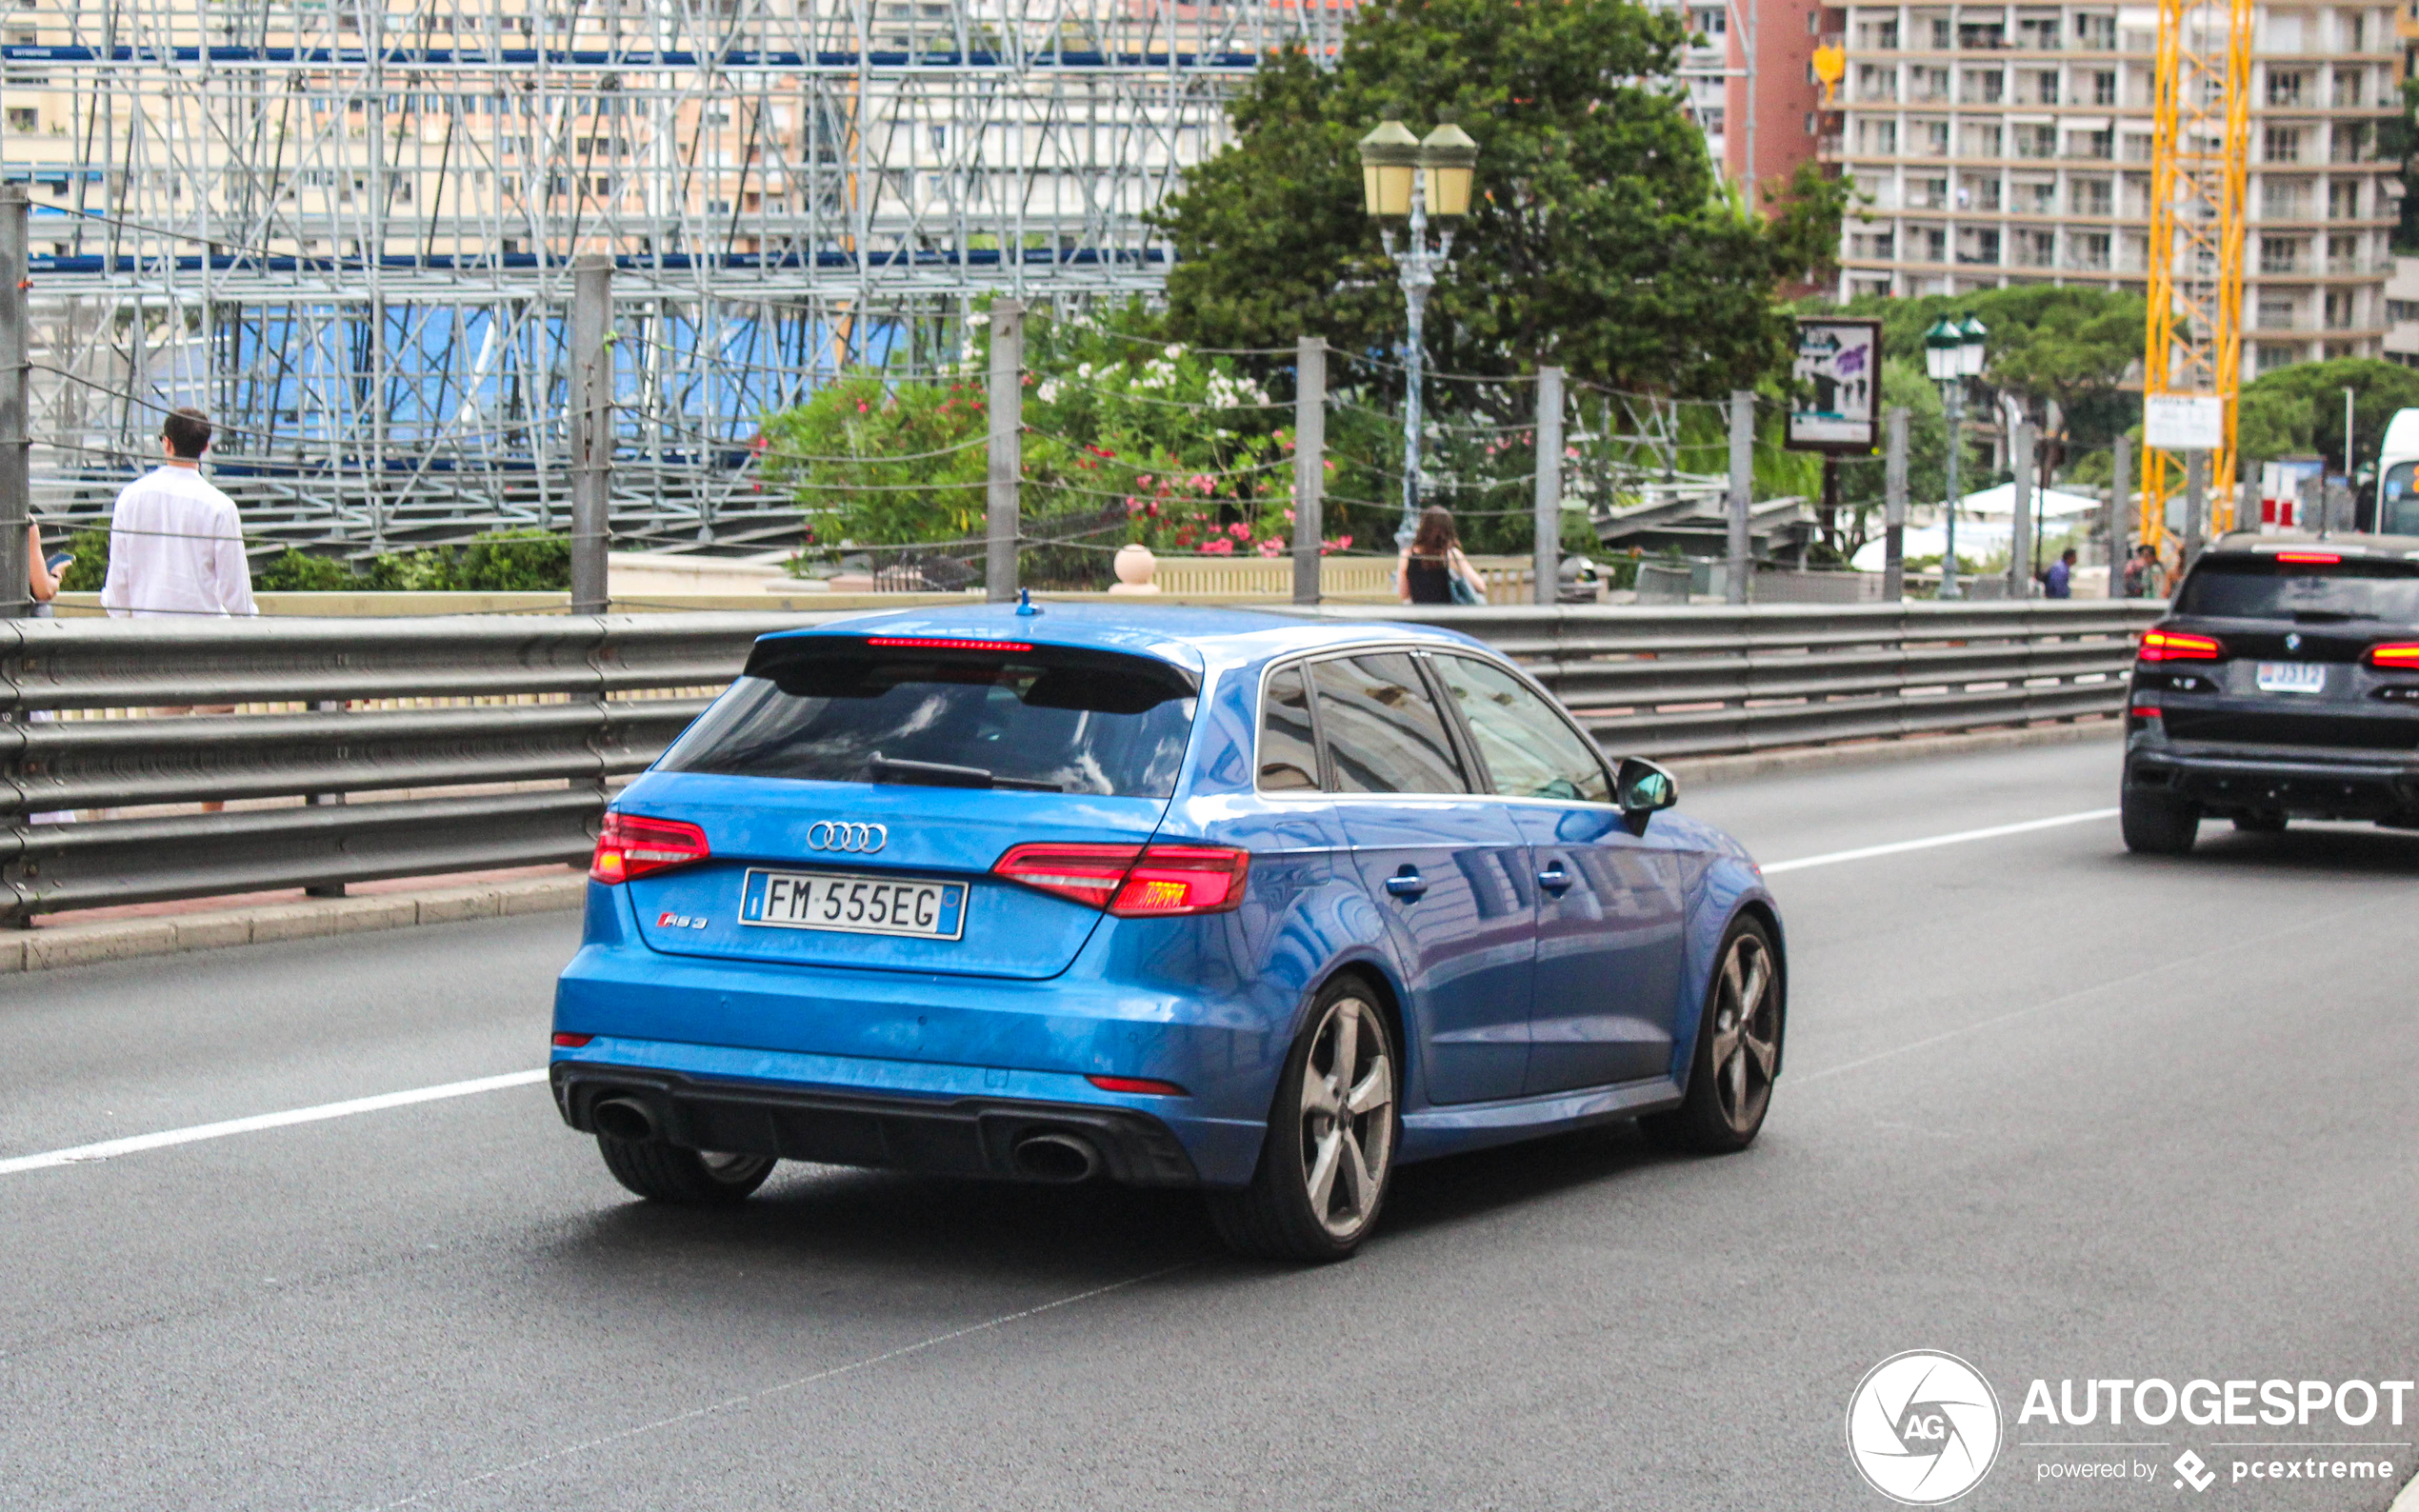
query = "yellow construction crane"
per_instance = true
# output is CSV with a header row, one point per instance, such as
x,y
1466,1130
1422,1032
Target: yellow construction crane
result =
x,y
2200,137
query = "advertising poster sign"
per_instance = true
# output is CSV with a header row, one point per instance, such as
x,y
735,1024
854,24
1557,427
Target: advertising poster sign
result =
x,y
1836,403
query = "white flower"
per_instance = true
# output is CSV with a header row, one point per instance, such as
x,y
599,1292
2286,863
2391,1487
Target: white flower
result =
x,y
1084,371
1174,353
1047,391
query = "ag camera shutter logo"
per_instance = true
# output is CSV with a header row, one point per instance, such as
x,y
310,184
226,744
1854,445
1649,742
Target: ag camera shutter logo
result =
x,y
1923,1428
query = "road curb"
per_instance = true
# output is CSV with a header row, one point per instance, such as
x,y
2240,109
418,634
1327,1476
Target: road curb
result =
x,y
78,945
1874,753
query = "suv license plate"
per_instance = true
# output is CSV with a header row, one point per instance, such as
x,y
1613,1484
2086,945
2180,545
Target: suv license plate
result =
x,y
2291,677
853,905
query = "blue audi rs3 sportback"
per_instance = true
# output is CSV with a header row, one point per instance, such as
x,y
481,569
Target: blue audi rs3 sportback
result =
x,y
1172,897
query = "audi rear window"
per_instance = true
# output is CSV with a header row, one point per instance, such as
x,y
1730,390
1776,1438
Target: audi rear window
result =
x,y
2266,586
951,714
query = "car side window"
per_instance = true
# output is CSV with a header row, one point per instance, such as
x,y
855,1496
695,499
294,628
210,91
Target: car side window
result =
x,y
1289,750
1383,733
1529,749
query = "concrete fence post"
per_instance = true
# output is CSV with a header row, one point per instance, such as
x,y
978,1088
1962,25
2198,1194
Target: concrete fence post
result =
x,y
1734,584
2120,511
591,430
2020,462
1894,509
1549,541
1006,450
16,345
1310,464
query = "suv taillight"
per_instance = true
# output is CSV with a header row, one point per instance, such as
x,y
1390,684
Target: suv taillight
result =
x,y
2176,645
1133,882
633,845
2395,656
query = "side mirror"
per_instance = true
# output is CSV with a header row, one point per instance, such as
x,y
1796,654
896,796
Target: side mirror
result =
x,y
1642,789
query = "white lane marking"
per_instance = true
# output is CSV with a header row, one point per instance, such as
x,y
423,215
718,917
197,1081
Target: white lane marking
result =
x,y
1895,847
709,1409
135,1143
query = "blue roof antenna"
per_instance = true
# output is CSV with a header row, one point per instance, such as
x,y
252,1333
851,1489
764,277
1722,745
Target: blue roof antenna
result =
x,y
1025,602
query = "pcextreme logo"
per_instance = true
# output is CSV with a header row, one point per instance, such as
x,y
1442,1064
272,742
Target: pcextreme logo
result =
x,y
1923,1428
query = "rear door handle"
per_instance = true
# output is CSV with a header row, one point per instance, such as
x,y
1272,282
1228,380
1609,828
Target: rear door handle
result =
x,y
1553,879
1407,885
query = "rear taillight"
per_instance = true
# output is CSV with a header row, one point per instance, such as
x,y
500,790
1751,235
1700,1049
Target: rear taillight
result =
x,y
2395,656
2176,645
1183,879
1133,882
633,845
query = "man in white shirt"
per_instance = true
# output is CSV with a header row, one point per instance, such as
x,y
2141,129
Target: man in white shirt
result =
x,y
176,545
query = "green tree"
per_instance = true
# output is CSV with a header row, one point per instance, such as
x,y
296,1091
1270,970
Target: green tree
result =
x,y
2070,346
2299,410
1601,237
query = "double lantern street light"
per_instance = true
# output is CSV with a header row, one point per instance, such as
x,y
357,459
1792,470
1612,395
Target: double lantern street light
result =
x,y
1402,174
1953,353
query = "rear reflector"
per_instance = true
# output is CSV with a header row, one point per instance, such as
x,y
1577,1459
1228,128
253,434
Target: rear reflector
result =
x,y
633,845
2144,711
926,643
2174,646
2310,558
1132,882
1136,1084
2402,656
572,1042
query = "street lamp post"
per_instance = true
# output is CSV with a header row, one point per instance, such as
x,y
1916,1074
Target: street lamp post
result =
x,y
1402,174
1953,353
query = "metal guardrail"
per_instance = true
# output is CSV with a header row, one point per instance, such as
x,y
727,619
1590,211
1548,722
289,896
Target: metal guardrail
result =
x,y
406,748
1713,680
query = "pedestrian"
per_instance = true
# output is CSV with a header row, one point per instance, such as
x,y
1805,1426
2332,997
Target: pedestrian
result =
x,y
2058,582
1432,569
176,545
2141,573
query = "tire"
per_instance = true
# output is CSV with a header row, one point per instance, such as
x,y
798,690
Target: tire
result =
x,y
2262,822
2157,825
1738,1050
1322,1179
666,1173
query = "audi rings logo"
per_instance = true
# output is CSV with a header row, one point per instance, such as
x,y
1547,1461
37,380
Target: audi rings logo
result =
x,y
1923,1428
838,834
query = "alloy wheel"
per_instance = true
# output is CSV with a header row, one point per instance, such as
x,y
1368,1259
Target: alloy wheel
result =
x,y
1747,1033
1347,1117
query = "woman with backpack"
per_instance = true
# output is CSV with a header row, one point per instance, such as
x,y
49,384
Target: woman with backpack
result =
x,y
1432,569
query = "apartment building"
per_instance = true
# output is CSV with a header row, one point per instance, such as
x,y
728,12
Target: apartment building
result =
x,y
1715,74
2012,144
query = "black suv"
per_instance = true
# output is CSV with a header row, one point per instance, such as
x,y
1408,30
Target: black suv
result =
x,y
2284,681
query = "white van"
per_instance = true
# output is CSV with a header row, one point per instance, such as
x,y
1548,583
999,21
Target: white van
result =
x,y
2397,505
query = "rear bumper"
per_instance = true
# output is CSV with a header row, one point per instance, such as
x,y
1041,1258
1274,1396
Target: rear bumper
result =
x,y
912,1116
939,1136
2372,786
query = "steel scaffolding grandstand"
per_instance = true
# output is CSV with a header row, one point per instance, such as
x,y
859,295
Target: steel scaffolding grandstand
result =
x,y
347,229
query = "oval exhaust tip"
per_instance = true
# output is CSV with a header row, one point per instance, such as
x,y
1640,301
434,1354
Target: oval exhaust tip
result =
x,y
1059,1158
623,1118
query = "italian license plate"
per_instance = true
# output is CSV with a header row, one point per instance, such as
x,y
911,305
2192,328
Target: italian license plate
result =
x,y
2292,676
853,905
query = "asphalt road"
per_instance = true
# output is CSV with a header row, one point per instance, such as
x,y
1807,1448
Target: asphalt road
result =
x,y
2061,1111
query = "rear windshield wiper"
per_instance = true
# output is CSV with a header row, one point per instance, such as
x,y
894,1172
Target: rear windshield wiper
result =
x,y
942,774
